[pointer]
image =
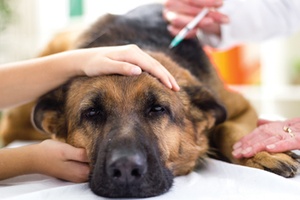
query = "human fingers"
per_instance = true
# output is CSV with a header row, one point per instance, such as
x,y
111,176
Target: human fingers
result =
x,y
65,151
253,142
193,3
244,141
181,7
159,71
62,161
218,17
292,143
75,154
73,171
178,17
213,22
205,3
136,56
175,30
253,147
209,24
127,60
75,168
179,21
266,130
111,66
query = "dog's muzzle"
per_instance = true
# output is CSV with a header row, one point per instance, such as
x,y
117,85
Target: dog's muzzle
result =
x,y
129,169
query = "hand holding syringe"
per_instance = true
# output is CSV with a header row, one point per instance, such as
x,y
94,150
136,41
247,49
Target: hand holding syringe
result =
x,y
181,35
195,15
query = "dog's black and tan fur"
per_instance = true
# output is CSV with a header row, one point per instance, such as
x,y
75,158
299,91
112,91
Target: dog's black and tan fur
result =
x,y
138,133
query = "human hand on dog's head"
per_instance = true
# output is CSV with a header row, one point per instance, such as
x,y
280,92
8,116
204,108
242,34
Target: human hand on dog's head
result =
x,y
270,136
61,160
125,60
180,12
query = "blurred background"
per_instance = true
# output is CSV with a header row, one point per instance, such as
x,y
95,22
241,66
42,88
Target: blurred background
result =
x,y
268,74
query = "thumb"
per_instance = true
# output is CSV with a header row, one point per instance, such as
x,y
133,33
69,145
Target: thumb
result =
x,y
123,68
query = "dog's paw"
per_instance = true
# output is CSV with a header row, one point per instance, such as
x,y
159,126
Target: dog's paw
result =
x,y
283,164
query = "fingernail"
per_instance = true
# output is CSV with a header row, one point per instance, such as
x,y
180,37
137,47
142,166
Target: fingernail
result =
x,y
236,153
171,30
207,21
271,146
237,145
247,150
169,84
177,88
136,71
170,16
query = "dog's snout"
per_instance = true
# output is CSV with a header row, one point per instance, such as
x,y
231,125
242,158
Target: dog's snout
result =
x,y
126,167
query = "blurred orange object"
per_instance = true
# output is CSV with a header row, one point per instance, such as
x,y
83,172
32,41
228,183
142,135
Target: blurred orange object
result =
x,y
236,66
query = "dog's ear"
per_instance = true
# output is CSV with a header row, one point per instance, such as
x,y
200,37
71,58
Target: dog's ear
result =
x,y
204,100
48,114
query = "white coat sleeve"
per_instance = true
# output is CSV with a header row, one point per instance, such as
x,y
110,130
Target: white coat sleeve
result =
x,y
256,21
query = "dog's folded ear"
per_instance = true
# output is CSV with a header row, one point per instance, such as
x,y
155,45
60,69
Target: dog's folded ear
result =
x,y
204,100
48,114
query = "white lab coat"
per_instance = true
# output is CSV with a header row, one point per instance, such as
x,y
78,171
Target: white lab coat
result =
x,y
256,21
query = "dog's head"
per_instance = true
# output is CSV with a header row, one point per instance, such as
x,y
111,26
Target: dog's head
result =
x,y
138,133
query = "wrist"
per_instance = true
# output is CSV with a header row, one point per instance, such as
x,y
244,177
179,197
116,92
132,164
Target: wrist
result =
x,y
30,163
72,63
75,62
39,159
65,64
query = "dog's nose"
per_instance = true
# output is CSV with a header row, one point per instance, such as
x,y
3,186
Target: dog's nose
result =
x,y
126,167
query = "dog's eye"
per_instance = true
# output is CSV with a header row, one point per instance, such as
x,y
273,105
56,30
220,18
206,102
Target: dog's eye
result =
x,y
92,112
94,115
156,109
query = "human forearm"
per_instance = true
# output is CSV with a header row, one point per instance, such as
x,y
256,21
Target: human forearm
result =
x,y
16,161
25,81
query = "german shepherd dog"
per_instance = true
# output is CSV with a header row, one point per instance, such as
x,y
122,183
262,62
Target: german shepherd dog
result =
x,y
138,133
